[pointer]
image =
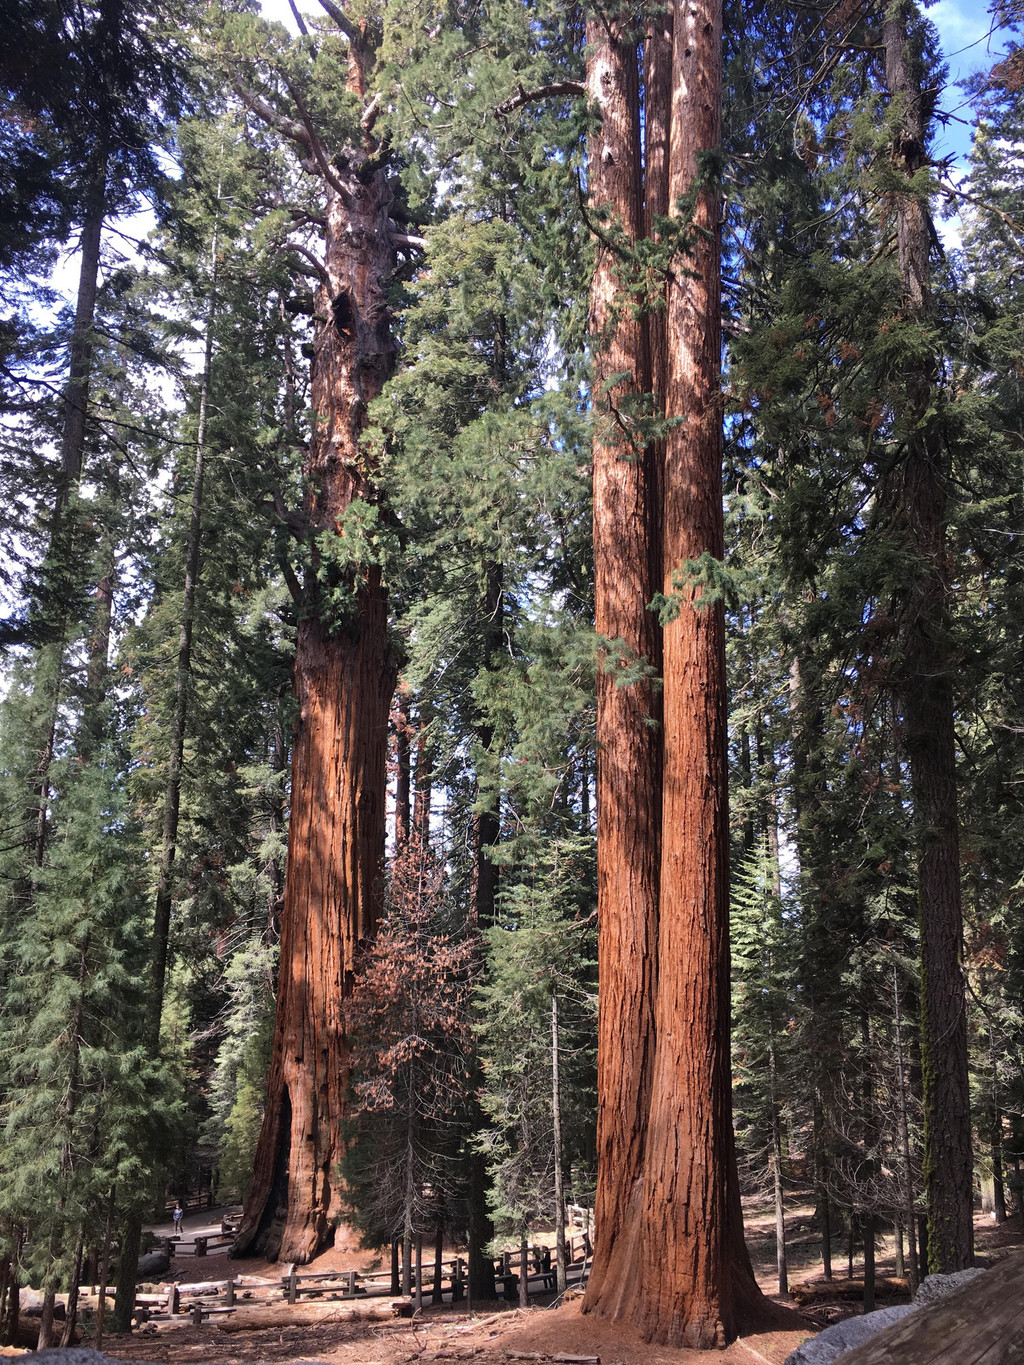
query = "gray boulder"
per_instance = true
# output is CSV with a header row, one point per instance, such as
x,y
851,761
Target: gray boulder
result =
x,y
153,1263
844,1336
938,1286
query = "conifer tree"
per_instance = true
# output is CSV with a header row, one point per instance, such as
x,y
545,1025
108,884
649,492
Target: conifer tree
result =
x,y
344,672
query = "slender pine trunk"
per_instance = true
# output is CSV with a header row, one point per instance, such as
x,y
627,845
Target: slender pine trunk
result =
x,y
58,584
556,1134
777,1169
104,1270
183,674
437,1293
71,1318
903,1124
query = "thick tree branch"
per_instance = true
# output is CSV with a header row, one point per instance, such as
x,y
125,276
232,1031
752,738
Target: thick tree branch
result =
x,y
542,92
300,23
317,270
316,146
266,111
291,579
350,30
370,112
407,239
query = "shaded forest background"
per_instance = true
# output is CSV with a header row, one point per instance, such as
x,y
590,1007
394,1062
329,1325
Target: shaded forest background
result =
x,y
160,555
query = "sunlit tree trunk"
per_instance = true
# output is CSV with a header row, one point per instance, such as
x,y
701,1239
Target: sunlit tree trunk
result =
x,y
628,737
670,1256
694,1263
344,679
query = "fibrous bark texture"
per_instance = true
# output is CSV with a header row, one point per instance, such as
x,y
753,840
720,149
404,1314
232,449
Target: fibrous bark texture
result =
x,y
670,1257
628,738
344,678
918,505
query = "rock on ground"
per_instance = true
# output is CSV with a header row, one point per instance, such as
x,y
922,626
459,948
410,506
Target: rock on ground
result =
x,y
154,1263
938,1286
845,1336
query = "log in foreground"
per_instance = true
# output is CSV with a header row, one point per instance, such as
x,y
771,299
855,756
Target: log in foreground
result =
x,y
980,1324
310,1315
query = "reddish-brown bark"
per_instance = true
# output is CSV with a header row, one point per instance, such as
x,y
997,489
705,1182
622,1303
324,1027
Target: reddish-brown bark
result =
x,y
344,678
628,738
670,1256
695,1264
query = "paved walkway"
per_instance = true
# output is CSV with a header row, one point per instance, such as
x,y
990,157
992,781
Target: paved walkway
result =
x,y
205,1223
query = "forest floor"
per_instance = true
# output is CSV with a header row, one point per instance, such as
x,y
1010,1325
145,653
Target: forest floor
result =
x,y
508,1335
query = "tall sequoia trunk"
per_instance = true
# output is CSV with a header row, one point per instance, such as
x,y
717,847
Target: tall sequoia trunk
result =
x,y
628,738
670,1256
918,506
699,1283
344,678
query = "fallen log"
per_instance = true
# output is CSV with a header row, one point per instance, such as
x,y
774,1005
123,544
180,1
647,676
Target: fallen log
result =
x,y
309,1315
27,1334
827,1291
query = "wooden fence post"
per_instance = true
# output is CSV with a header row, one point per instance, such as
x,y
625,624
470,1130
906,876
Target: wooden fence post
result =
x,y
293,1286
229,1298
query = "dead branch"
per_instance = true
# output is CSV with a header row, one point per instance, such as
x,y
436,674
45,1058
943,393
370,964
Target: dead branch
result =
x,y
370,112
542,92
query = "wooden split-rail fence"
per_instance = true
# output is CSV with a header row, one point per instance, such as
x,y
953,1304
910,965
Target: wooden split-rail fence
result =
x,y
215,1298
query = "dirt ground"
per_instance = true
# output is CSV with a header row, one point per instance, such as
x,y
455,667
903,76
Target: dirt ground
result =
x,y
509,1335
447,1335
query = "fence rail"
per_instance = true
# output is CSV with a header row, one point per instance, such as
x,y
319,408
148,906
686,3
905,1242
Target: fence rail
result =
x,y
214,1298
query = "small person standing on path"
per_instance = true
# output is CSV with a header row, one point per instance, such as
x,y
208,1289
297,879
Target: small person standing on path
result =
x,y
177,1215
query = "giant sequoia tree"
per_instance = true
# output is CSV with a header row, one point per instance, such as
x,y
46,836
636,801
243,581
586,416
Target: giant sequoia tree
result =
x,y
670,1258
344,677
